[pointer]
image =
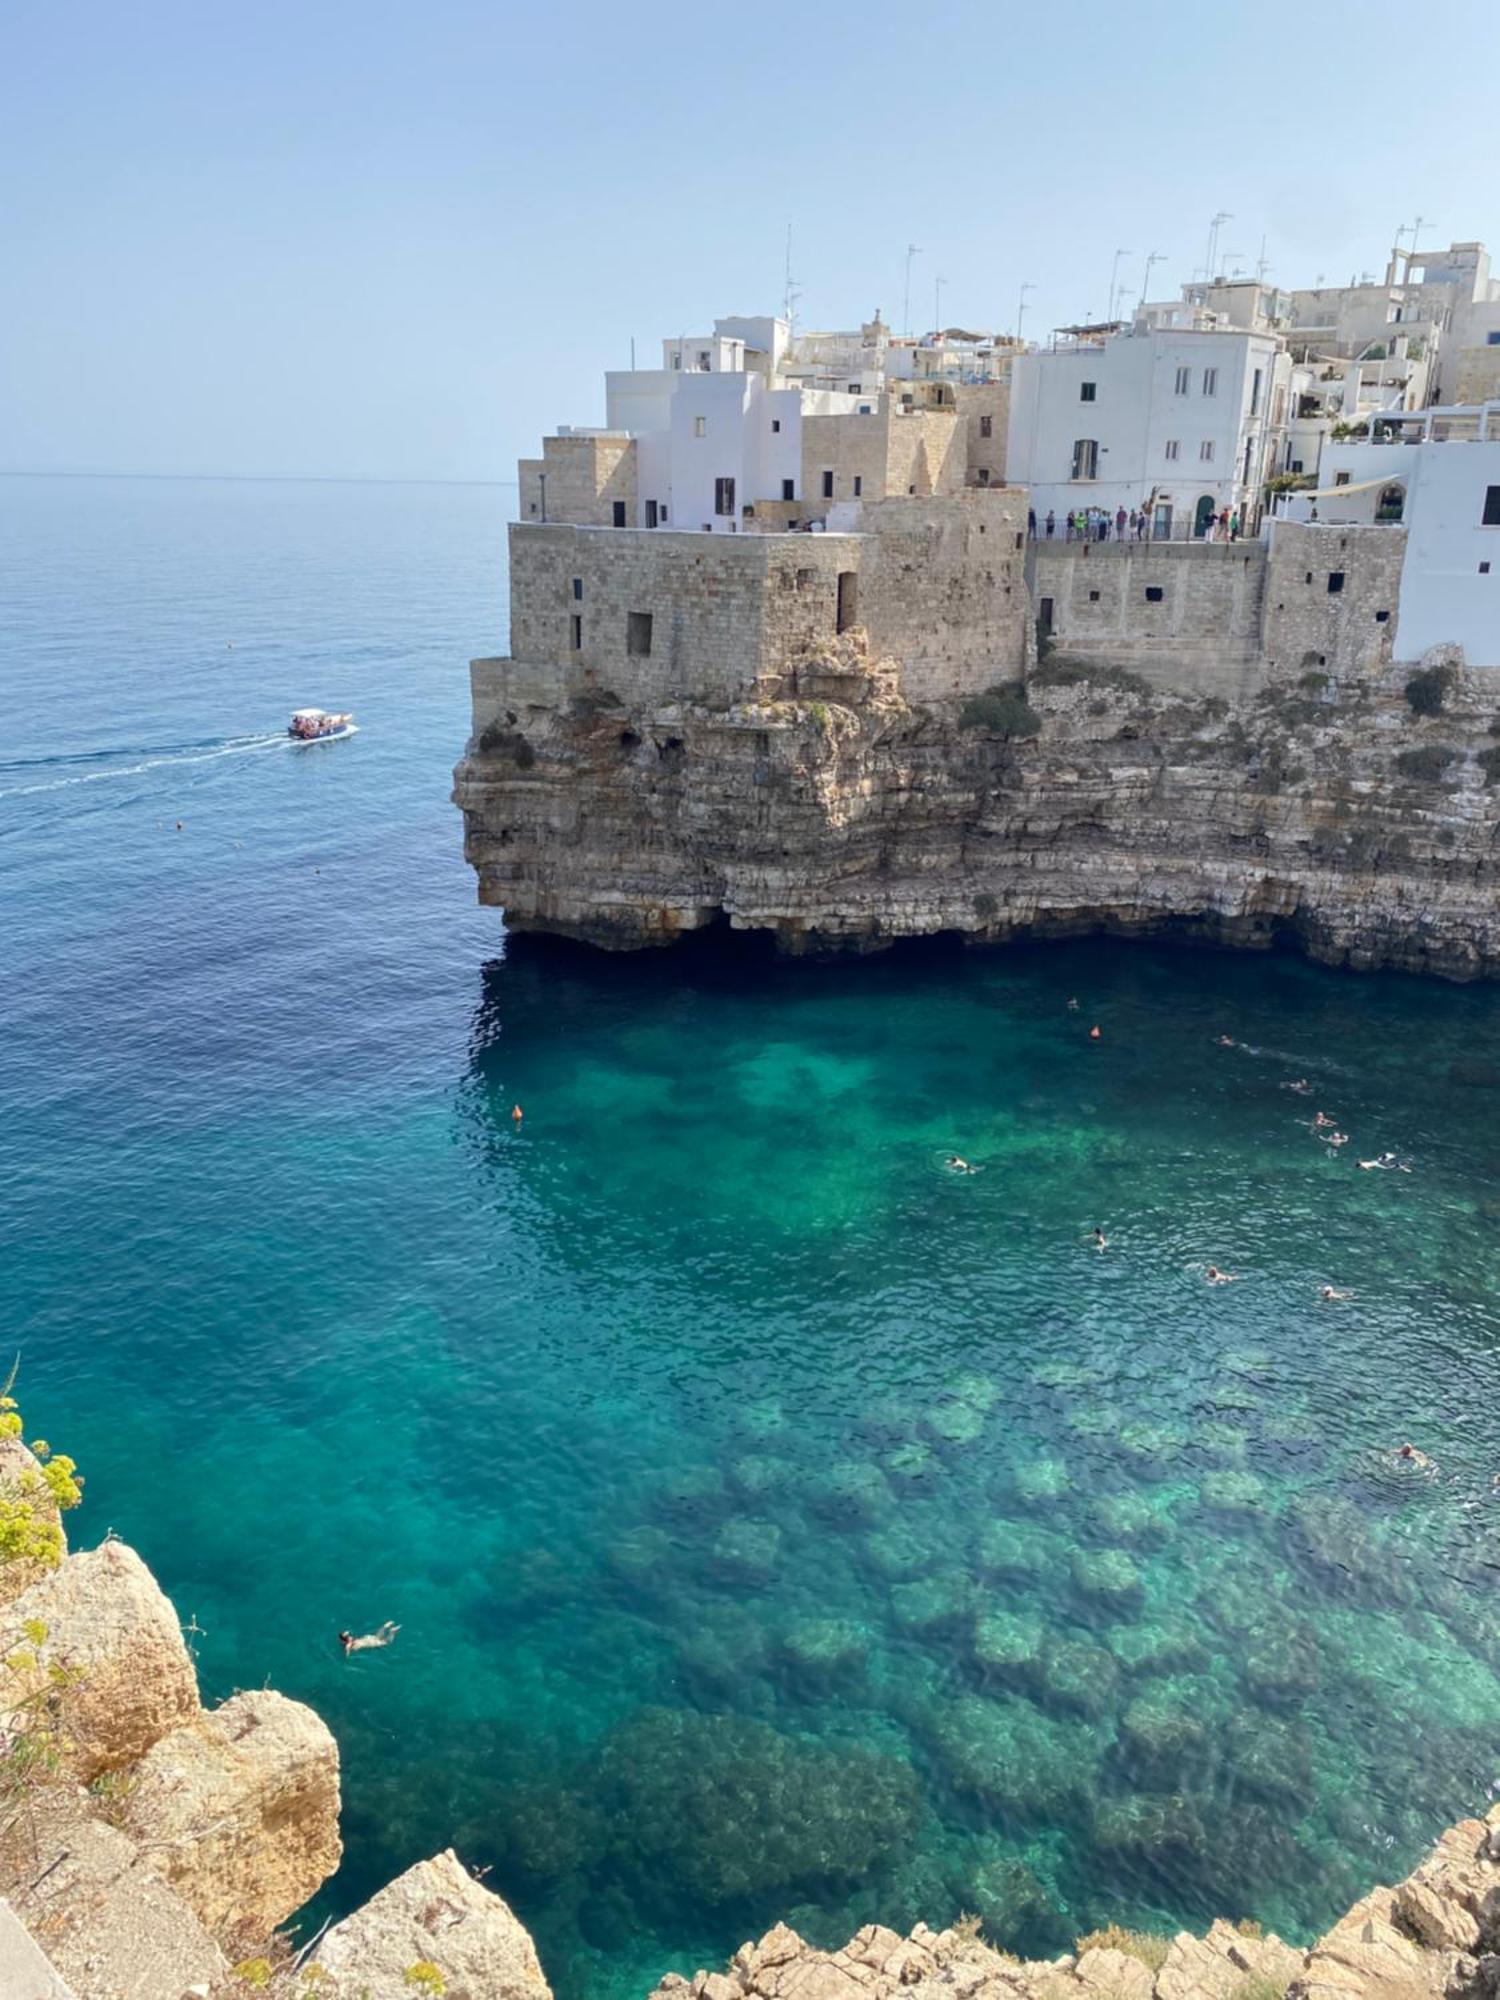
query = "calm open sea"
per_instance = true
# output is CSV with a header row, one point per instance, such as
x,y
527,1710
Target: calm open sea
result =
x,y
778,1523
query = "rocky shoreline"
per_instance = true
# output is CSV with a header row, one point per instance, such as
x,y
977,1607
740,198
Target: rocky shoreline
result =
x,y
1327,812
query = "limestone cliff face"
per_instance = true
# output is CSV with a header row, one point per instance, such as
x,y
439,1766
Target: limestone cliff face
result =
x,y
838,815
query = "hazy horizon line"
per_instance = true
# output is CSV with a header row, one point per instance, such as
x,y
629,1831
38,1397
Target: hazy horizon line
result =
x,y
253,478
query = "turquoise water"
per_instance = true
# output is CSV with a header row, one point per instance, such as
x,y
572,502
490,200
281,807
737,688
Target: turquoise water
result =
x,y
779,1524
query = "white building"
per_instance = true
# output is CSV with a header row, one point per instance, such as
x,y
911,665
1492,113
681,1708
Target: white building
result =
x,y
1179,421
1441,479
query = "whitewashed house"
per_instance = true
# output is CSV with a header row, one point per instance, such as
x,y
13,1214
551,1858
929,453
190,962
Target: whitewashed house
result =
x,y
1180,421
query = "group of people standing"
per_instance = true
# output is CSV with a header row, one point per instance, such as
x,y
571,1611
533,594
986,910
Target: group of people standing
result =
x,y
1095,524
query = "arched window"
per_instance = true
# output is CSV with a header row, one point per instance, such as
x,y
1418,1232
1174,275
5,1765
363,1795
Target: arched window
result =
x,y
1086,458
1391,504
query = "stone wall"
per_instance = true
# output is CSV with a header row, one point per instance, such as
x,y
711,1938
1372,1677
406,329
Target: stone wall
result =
x,y
1346,632
1186,615
1476,375
586,477
891,452
984,457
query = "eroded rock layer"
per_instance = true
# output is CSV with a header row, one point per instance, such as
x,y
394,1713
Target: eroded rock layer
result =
x,y
1329,812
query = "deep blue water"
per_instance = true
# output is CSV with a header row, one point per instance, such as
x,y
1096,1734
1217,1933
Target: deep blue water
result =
x,y
778,1524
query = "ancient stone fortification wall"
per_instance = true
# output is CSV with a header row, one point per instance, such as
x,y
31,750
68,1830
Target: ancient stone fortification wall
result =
x,y
984,456
891,452
1185,614
1330,599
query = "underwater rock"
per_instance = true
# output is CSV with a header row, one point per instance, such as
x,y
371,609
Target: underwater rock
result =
x,y
1094,1420
1007,1647
1079,1675
932,1604
1152,1450
1271,1757
911,1464
1010,1901
826,1652
1042,1482
954,1423
1163,1735
1227,1444
757,1475
1067,1377
1281,1667
1019,1551
1127,1517
1012,1757
1234,1493
1150,1827
691,1495
896,1550
980,1392
748,1551
1162,1646
1332,1537
851,1495
715,1810
1109,1579
641,1555
766,1418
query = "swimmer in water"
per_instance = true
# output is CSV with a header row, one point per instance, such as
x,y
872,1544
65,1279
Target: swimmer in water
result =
x,y
369,1640
1217,1277
1328,1292
1409,1455
1096,1034
1101,1241
516,1114
957,1166
1334,1138
1073,1005
1227,1042
1385,1161
1320,1119
1301,1086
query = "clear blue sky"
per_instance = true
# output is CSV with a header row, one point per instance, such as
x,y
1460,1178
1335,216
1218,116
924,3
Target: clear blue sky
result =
x,y
401,240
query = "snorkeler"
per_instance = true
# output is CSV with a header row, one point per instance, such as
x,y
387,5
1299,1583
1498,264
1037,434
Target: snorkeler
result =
x,y
369,1640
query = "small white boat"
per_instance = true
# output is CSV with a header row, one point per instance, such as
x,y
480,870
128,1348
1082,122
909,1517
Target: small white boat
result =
x,y
316,725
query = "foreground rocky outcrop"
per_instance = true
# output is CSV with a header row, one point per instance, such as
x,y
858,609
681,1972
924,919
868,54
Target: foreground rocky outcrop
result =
x,y
1435,1936
836,814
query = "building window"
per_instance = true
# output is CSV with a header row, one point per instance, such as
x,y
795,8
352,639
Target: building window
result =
x,y
1184,380
1381,617
578,590
853,388
1492,507
1093,597
1255,382
775,425
1086,458
983,475
865,410
788,489
827,485
986,427
1174,448
1484,569
1335,582
1341,479
1206,450
723,496
859,485
1086,391
638,634
576,628
617,513
703,359
1210,381
700,427
651,513
1153,593
1492,340
664,510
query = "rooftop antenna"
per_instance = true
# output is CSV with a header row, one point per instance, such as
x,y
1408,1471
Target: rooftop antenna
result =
x,y
1021,308
937,305
1415,231
912,250
1261,266
1114,274
1156,257
1214,227
791,294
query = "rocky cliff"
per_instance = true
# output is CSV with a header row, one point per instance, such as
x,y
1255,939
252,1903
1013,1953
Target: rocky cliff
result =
x,y
1336,811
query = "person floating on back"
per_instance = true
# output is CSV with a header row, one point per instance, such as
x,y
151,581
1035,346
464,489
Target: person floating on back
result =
x,y
368,1641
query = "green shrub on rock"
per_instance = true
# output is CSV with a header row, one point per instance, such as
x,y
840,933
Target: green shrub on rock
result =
x,y
1426,763
1429,688
1001,711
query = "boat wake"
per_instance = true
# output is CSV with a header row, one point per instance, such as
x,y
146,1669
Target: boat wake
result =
x,y
67,770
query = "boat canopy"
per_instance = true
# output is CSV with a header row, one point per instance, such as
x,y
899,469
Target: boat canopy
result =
x,y
308,714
